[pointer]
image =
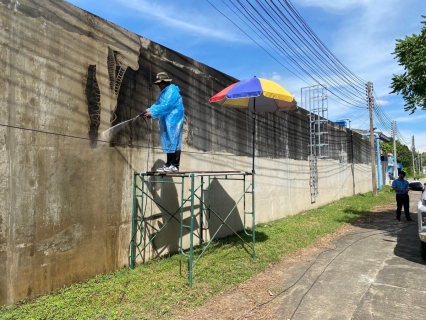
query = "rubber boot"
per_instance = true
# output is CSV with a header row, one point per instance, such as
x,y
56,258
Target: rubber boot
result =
x,y
170,159
176,159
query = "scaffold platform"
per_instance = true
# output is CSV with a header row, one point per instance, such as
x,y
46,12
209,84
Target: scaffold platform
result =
x,y
194,204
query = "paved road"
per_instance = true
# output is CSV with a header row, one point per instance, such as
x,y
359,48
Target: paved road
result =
x,y
373,273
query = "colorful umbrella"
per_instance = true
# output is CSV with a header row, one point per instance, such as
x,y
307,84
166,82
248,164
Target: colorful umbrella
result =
x,y
256,94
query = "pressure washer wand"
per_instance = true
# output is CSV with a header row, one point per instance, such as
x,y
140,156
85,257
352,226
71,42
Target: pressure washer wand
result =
x,y
141,115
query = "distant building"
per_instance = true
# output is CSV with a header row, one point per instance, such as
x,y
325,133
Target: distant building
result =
x,y
382,136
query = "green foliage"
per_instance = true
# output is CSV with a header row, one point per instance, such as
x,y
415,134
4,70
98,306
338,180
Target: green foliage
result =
x,y
422,158
403,154
411,54
158,288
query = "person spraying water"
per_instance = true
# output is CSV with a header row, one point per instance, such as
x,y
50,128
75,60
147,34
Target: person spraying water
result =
x,y
169,111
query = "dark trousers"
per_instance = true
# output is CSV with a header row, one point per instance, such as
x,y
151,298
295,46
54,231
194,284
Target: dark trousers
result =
x,y
402,200
173,159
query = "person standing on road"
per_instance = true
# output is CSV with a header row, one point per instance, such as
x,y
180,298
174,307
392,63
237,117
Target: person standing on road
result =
x,y
170,113
401,188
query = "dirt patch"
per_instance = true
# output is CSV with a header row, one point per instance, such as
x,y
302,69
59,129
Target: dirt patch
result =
x,y
254,298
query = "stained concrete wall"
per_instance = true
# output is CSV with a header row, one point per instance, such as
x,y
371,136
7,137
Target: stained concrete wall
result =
x,y
66,196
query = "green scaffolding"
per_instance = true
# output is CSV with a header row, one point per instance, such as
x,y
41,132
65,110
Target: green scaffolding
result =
x,y
200,192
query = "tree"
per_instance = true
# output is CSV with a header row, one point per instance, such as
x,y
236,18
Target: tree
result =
x,y
403,154
411,54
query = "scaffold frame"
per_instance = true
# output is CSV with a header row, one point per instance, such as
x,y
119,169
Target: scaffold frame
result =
x,y
197,191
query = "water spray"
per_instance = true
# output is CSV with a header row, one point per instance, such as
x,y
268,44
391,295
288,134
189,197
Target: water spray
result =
x,y
109,133
113,130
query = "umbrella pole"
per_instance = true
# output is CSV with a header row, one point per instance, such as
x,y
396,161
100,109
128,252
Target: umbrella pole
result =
x,y
254,133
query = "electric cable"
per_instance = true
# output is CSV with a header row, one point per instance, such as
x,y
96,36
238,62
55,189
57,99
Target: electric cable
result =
x,y
302,141
325,268
96,140
283,17
317,40
255,41
250,16
385,121
332,97
317,59
255,32
293,39
273,20
240,19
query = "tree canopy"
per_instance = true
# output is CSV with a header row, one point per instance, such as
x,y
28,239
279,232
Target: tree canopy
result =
x,y
403,154
411,54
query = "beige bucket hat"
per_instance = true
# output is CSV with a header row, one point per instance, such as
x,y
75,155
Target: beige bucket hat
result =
x,y
162,76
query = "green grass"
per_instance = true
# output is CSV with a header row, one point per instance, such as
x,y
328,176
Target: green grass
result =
x,y
155,289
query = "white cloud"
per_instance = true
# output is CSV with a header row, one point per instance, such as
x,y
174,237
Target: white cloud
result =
x,y
335,108
382,102
275,77
189,21
366,40
413,118
291,83
334,6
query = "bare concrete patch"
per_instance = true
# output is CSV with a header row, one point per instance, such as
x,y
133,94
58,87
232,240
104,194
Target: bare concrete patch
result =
x,y
64,240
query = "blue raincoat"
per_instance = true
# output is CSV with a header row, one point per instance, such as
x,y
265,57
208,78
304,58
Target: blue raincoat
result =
x,y
169,110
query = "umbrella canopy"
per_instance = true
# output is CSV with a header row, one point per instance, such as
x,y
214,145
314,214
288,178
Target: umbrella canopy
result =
x,y
256,94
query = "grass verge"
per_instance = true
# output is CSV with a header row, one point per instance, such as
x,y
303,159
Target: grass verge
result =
x,y
157,288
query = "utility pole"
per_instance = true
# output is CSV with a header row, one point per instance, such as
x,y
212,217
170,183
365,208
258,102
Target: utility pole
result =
x,y
372,151
352,154
413,150
395,163
419,162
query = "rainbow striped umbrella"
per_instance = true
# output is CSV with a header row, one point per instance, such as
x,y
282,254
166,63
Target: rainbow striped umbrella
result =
x,y
256,94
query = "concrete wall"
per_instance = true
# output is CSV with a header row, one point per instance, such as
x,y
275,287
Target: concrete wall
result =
x,y
65,198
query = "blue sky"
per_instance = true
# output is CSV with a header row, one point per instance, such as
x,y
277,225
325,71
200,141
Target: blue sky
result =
x,y
360,33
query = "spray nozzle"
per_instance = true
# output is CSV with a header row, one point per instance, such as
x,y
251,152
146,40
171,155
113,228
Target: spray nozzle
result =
x,y
141,115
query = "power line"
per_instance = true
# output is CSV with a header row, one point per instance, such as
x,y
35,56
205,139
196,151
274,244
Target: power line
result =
x,y
294,45
304,55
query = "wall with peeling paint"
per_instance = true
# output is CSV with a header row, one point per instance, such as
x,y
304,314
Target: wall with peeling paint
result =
x,y
65,197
